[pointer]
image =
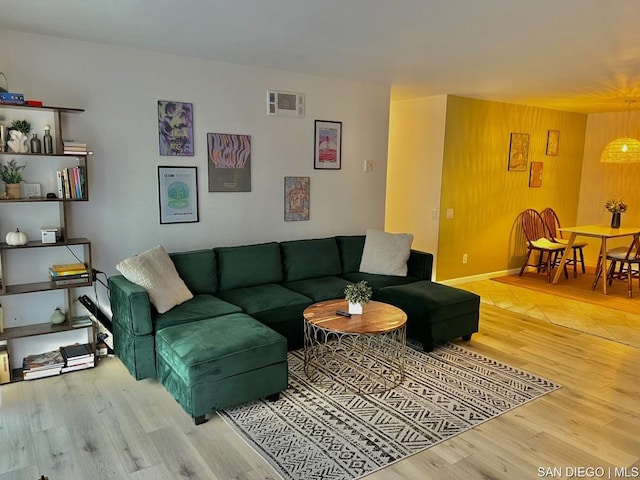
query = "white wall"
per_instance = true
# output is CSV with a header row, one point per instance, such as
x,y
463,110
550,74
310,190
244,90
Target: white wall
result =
x,y
119,89
416,148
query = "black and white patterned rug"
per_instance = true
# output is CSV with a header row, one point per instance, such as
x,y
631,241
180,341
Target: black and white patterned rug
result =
x,y
322,431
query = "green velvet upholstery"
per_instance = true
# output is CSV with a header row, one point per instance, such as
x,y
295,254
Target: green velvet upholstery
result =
x,y
376,282
249,265
219,362
351,248
313,258
197,269
435,313
198,308
137,352
319,289
273,305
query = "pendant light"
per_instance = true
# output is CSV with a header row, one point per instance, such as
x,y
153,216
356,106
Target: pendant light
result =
x,y
624,149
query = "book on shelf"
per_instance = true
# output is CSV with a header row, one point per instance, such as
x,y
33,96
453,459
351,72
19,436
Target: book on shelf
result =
x,y
43,361
80,366
71,182
69,268
77,354
83,321
49,372
68,274
70,281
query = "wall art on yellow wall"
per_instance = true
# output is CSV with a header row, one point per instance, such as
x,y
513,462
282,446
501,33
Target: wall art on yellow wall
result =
x,y
519,152
535,174
553,140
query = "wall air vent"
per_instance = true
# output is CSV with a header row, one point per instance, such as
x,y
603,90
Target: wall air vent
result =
x,y
285,104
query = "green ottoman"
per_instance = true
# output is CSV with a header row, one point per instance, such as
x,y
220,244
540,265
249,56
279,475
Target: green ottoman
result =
x,y
435,312
219,362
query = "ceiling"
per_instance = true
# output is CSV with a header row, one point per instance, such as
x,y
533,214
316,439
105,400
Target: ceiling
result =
x,y
573,55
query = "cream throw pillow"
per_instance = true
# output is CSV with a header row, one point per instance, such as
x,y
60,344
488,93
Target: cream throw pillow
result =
x,y
386,253
154,271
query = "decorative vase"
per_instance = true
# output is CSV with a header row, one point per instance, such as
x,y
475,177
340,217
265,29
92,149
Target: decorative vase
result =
x,y
615,220
36,144
18,142
355,308
57,317
14,190
48,140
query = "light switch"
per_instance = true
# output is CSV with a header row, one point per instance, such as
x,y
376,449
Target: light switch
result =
x,y
449,213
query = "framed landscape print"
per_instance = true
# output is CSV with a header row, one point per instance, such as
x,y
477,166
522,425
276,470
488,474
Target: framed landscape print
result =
x,y
178,194
535,174
553,140
175,128
328,145
229,162
519,151
296,199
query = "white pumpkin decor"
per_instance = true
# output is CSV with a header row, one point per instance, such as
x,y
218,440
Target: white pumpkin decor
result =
x,y
16,238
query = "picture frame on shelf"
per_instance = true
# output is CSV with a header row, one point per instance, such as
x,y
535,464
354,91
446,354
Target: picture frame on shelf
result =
x,y
535,174
553,141
518,152
229,162
175,128
327,145
178,194
297,197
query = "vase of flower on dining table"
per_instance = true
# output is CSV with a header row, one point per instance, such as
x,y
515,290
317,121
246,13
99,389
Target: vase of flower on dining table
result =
x,y
617,208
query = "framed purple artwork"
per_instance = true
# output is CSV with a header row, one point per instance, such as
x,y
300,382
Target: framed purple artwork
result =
x,y
175,128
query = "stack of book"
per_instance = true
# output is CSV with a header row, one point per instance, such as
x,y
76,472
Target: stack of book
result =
x,y
68,274
71,182
42,365
77,357
74,148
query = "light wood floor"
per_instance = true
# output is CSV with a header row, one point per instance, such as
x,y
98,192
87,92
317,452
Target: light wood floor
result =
x,y
102,424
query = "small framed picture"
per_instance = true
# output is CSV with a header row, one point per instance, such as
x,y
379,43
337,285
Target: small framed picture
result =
x,y
296,198
519,152
175,128
328,145
553,140
229,162
178,194
535,174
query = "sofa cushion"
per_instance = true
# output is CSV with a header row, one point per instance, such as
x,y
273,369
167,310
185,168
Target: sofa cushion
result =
x,y
217,348
155,272
350,247
248,265
386,253
376,282
313,258
319,289
197,269
198,308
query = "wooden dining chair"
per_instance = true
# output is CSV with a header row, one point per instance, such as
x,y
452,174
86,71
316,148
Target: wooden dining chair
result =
x,y
539,240
552,222
629,265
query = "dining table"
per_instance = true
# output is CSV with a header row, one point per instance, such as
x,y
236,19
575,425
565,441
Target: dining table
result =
x,y
604,232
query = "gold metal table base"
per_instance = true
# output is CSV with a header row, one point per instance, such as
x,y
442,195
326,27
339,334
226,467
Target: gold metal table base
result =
x,y
364,363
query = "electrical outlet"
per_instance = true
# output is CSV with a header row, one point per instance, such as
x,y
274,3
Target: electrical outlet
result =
x,y
449,213
434,214
465,257
368,165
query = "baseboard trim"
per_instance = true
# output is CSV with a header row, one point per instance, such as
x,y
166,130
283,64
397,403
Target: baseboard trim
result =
x,y
481,276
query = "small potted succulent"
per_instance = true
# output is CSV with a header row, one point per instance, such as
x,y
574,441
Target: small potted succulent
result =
x,y
11,174
357,294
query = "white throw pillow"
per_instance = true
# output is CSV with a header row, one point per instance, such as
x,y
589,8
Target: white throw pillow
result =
x,y
386,253
154,271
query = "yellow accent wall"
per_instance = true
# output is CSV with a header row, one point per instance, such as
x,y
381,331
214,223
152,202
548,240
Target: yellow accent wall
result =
x,y
486,197
475,183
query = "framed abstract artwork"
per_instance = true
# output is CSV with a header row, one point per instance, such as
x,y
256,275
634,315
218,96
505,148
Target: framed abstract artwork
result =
x,y
553,140
519,152
229,162
535,174
178,194
328,145
175,128
296,198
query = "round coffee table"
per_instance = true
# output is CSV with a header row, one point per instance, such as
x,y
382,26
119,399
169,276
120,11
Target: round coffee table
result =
x,y
364,352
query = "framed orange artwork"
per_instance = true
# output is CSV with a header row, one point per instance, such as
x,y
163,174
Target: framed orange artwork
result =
x,y
535,174
519,152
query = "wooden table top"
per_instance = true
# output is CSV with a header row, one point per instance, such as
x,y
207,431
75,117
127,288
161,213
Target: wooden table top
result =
x,y
377,317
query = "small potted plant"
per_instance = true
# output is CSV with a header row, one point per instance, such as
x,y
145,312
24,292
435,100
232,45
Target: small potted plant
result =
x,y
11,174
357,294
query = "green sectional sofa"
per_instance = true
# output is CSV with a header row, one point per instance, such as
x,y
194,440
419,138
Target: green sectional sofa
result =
x,y
273,283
